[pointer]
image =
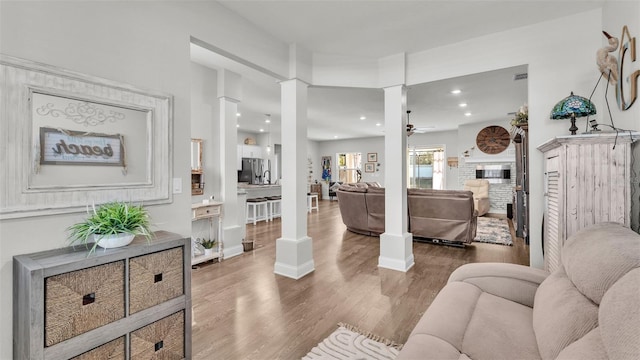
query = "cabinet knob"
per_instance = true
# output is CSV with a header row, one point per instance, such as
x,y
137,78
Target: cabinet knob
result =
x,y
207,211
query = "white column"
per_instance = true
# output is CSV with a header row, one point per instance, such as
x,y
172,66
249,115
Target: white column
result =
x,y
231,231
229,95
396,243
294,252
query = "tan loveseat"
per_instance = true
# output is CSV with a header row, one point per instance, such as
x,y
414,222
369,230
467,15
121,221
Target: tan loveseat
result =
x,y
434,214
589,308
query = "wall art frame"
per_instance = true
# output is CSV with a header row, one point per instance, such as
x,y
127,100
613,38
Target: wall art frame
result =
x,y
372,157
369,167
37,96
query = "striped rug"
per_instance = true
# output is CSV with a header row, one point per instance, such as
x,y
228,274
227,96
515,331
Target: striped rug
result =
x,y
350,343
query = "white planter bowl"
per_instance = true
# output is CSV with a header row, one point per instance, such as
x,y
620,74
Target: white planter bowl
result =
x,y
113,241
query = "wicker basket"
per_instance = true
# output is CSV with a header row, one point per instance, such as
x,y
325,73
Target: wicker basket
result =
x,y
163,339
113,350
155,278
79,301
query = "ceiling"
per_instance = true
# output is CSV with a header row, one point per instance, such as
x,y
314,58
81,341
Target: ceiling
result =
x,y
375,29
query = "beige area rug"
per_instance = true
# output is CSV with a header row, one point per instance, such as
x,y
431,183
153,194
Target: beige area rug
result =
x,y
350,343
493,231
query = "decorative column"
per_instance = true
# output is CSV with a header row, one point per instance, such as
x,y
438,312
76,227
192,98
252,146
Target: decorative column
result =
x,y
396,243
294,251
229,97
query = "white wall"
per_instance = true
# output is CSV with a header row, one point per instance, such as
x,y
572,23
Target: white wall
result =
x,y
361,145
205,125
467,140
139,43
316,160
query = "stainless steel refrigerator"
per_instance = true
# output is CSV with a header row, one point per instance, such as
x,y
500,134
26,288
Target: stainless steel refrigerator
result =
x,y
252,171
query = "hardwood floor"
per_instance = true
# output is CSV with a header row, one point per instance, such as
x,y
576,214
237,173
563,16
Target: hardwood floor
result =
x,y
242,310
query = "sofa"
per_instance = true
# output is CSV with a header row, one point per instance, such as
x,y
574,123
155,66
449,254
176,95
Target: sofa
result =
x,y
446,215
589,308
480,190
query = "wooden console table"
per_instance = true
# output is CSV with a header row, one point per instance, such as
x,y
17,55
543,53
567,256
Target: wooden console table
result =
x,y
211,211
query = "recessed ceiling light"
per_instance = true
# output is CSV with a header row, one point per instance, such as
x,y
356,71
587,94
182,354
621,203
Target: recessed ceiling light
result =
x,y
467,114
462,104
335,136
267,121
261,130
363,118
456,91
238,114
237,125
378,124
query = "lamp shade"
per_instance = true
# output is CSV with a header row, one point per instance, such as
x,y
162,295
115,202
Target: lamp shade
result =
x,y
572,107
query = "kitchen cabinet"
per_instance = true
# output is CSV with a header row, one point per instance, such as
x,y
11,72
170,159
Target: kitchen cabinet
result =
x,y
252,151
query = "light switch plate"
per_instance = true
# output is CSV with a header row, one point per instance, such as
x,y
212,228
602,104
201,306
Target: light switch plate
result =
x,y
177,185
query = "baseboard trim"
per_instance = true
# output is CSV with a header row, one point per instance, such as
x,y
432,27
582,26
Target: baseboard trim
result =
x,y
230,252
394,264
294,272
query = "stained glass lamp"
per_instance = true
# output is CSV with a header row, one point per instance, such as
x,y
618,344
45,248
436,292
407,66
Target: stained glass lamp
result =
x,y
572,107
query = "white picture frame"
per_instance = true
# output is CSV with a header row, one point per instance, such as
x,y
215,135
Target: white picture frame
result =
x,y
37,188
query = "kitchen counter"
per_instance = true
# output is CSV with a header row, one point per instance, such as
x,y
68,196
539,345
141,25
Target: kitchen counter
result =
x,y
249,186
256,191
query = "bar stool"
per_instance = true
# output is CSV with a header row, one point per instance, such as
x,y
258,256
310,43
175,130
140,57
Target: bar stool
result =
x,y
259,209
310,198
275,206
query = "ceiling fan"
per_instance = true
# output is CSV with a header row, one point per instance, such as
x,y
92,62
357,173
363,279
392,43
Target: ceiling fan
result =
x,y
411,129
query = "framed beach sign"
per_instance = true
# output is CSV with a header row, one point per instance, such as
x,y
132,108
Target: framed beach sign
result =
x,y
74,140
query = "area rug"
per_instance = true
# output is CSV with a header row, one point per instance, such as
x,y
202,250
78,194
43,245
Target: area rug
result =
x,y
493,231
350,343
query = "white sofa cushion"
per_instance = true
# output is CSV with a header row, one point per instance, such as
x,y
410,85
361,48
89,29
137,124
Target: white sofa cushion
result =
x,y
561,314
462,321
593,268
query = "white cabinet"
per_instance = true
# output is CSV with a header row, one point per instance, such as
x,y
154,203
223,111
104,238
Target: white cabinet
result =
x,y
239,154
587,180
252,151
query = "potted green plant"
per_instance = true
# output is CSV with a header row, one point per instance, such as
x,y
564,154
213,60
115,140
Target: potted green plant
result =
x,y
208,246
113,224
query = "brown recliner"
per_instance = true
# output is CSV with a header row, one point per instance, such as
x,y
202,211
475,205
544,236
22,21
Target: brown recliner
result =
x,y
353,208
436,214
442,214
